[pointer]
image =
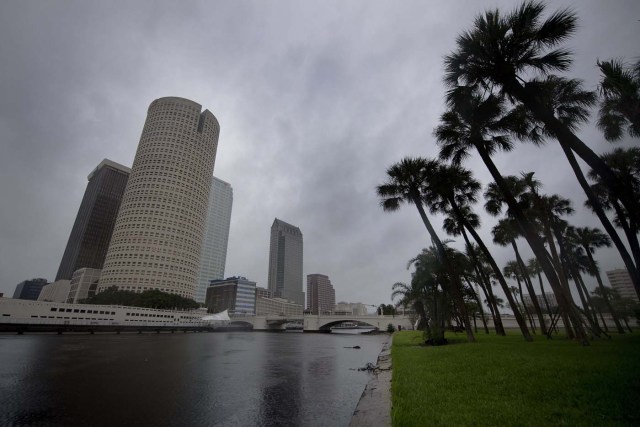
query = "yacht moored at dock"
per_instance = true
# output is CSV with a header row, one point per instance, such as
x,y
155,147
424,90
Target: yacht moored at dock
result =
x,y
18,315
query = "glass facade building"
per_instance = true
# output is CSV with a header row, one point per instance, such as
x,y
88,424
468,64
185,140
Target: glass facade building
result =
x,y
29,289
236,294
285,262
92,229
216,237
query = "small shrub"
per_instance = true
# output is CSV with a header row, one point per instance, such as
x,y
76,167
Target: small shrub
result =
x,y
390,328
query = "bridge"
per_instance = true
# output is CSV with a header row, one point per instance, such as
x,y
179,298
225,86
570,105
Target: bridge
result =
x,y
319,322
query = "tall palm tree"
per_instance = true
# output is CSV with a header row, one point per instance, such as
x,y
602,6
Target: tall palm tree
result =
x,y
591,239
452,189
474,122
620,104
501,51
405,184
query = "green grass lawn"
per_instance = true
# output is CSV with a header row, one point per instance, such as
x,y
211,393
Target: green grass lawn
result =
x,y
502,381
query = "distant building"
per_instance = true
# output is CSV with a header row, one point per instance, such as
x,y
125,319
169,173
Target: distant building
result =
x,y
57,291
285,262
321,297
30,289
216,237
278,307
84,284
92,229
621,282
354,308
236,294
157,239
263,293
551,299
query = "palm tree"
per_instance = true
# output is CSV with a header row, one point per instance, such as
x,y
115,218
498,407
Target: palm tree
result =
x,y
620,104
483,124
405,184
591,239
501,50
452,189
413,295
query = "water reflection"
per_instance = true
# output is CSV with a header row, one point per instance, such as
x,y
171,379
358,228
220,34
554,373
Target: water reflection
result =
x,y
233,378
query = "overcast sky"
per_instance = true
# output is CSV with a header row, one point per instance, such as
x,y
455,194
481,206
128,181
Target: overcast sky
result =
x,y
315,100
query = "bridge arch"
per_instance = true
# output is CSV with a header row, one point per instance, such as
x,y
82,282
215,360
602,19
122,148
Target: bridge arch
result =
x,y
329,325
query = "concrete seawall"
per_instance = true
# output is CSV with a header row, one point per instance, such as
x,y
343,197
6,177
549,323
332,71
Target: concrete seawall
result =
x,y
374,406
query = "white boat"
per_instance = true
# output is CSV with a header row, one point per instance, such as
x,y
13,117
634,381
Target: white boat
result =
x,y
17,314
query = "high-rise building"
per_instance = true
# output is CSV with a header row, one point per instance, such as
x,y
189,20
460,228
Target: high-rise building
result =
x,y
216,236
236,294
285,262
321,297
157,239
29,289
621,282
91,232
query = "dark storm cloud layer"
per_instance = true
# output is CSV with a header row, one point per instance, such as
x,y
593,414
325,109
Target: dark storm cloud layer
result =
x,y
315,101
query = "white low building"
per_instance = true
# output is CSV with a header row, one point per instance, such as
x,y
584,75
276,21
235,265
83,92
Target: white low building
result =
x,y
57,291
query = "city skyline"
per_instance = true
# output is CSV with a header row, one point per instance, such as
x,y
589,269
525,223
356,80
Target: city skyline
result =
x,y
320,102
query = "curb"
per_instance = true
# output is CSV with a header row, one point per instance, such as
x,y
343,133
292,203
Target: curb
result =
x,y
374,406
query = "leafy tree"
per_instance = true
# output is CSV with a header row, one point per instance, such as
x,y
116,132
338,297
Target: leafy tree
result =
x,y
151,298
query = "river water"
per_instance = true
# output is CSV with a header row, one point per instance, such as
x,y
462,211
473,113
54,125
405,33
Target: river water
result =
x,y
193,379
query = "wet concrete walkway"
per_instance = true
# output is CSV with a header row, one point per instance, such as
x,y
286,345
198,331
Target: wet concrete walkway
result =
x,y
374,407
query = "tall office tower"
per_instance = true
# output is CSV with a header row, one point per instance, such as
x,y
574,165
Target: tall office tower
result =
x,y
621,282
285,262
157,239
91,232
29,289
321,296
216,237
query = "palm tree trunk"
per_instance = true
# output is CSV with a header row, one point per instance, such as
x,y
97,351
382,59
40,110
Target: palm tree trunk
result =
x,y
565,292
546,302
596,272
495,268
597,208
532,293
569,140
456,285
491,302
477,298
524,305
604,324
630,230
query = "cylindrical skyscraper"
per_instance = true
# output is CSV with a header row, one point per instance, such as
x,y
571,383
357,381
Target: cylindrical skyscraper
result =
x,y
157,238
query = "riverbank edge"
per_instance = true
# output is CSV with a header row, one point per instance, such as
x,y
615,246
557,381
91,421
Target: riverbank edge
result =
x,y
374,406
